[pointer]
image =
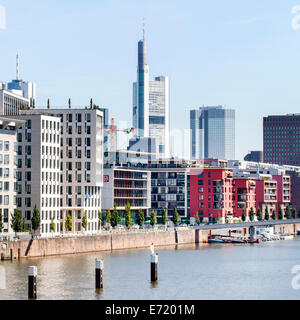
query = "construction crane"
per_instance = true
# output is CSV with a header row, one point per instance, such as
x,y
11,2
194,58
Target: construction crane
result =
x,y
113,131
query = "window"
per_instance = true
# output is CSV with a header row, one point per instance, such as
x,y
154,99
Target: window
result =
x,y
6,146
200,182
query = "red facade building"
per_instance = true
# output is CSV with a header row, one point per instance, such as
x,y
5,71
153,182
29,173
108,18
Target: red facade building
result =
x,y
211,193
244,196
266,195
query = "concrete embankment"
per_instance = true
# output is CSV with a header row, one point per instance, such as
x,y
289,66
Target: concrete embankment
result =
x,y
101,242
109,242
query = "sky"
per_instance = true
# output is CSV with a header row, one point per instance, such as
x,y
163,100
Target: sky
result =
x,y
244,54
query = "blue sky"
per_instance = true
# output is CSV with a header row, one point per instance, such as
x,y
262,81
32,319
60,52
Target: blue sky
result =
x,y
243,54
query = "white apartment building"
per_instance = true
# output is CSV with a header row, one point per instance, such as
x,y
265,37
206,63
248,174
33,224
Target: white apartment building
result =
x,y
8,170
38,176
81,164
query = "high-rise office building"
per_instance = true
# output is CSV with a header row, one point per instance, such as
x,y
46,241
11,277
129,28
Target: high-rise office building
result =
x,y
282,139
151,105
17,95
212,133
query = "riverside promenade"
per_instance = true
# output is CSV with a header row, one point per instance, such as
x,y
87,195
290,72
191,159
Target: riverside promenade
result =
x,y
134,239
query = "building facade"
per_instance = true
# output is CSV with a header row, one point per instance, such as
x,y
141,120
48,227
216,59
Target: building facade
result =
x,y
38,176
282,139
212,133
126,185
81,164
170,183
211,192
243,197
8,171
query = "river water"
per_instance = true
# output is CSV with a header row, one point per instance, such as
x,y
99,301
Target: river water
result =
x,y
208,271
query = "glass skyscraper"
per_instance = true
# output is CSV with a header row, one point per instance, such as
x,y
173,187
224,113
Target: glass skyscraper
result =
x,y
212,133
151,105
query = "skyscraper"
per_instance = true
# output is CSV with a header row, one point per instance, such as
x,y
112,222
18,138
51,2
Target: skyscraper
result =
x,y
281,139
151,105
212,133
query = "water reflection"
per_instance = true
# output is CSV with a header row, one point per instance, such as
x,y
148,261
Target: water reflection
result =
x,y
201,271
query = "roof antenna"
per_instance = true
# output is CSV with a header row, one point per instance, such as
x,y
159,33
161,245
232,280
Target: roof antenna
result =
x,y
70,106
17,67
48,103
91,104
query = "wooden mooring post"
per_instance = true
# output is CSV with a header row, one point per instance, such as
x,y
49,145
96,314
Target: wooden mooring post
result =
x,y
99,274
32,282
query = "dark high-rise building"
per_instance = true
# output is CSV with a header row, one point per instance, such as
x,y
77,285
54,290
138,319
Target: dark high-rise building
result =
x,y
282,139
255,156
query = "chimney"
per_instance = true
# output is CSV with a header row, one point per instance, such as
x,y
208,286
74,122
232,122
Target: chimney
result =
x,y
48,104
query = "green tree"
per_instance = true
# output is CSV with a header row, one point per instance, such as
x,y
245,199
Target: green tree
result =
x,y
52,225
108,216
267,214
280,214
164,217
274,216
84,221
16,221
197,219
294,213
1,221
115,217
153,219
140,218
175,218
299,214
36,219
244,216
251,214
288,212
127,216
100,219
259,215
68,223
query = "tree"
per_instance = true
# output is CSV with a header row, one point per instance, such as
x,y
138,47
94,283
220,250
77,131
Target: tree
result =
x,y
244,216
1,222
16,221
84,221
197,219
294,213
100,219
299,214
267,215
127,215
280,214
288,212
251,214
274,216
36,219
153,219
164,217
68,223
115,218
259,215
52,225
175,218
140,218
108,216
